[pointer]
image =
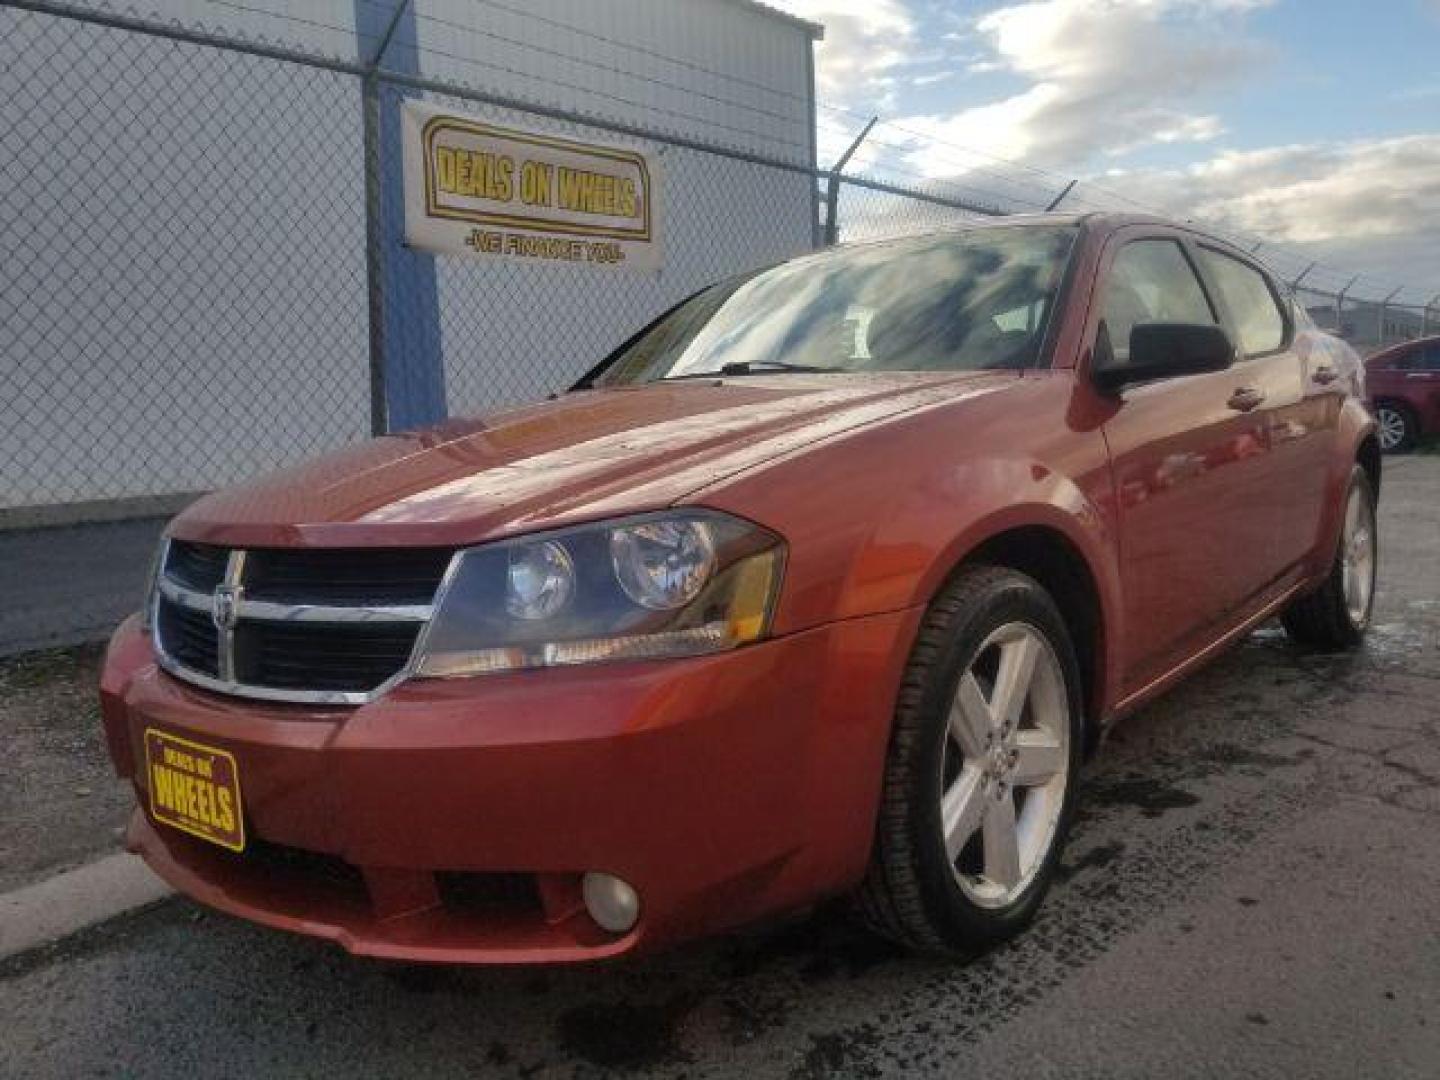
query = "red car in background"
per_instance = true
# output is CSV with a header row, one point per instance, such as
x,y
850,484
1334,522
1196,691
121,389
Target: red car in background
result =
x,y
821,585
1404,385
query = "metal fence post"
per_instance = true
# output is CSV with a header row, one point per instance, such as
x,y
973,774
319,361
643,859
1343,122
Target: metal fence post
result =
x,y
374,255
1340,305
374,224
1064,193
815,234
1384,306
832,197
1425,314
407,374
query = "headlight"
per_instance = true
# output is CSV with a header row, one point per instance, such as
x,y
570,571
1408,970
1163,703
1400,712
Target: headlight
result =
x,y
663,564
673,584
542,579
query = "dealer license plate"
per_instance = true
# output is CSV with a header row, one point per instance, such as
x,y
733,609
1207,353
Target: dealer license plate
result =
x,y
194,788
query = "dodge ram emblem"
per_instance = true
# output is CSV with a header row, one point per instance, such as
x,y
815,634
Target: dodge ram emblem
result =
x,y
226,606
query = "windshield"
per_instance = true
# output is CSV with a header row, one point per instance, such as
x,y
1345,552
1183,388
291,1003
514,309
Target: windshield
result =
x,y
956,302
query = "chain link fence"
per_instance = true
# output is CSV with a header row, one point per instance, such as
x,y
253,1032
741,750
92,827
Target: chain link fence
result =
x,y
204,276
194,288
182,271
733,214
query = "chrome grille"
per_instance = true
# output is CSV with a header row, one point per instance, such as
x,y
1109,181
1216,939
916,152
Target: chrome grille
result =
x,y
190,637
332,626
197,566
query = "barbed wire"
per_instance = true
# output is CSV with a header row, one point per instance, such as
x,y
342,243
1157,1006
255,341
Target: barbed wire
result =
x,y
1010,184
297,20
595,65
1007,182
1274,249
629,46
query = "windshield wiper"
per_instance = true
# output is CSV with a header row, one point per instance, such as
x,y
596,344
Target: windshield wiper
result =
x,y
753,367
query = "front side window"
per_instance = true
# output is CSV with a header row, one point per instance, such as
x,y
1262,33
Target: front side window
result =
x,y
962,301
1150,281
1259,325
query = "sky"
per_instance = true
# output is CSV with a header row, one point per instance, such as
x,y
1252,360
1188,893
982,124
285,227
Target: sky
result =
x,y
1311,125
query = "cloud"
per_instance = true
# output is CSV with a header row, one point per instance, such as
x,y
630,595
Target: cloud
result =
x,y
865,40
1105,77
1371,202
1416,93
1095,81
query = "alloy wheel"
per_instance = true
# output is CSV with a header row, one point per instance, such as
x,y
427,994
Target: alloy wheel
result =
x,y
1005,766
1357,557
1390,425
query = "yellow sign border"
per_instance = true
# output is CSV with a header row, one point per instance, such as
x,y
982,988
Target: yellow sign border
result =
x,y
234,772
484,217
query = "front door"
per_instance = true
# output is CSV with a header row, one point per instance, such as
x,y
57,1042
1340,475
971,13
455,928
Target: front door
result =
x,y
1187,457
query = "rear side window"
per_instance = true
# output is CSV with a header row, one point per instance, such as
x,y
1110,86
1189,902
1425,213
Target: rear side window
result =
x,y
1426,359
1258,322
1151,281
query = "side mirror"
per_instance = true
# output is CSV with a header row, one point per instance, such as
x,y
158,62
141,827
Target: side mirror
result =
x,y
1168,350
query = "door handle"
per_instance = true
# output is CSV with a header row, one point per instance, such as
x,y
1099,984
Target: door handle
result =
x,y
1420,375
1324,375
1245,398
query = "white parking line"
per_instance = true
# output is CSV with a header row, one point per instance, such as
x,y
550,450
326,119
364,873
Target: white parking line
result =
x,y
59,906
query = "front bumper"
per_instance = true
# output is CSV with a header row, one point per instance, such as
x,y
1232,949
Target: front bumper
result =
x,y
452,820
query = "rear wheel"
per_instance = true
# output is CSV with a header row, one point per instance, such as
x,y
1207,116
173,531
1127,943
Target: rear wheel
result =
x,y
1336,615
980,777
1396,427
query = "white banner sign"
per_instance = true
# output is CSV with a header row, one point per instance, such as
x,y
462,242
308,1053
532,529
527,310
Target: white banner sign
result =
x,y
472,188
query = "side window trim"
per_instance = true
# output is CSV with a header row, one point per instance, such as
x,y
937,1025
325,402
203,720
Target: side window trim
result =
x,y
1112,255
1227,317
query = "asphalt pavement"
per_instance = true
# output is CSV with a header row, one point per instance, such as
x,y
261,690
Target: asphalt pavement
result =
x,y
1252,889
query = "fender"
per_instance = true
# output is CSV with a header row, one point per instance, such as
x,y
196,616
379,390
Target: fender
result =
x,y
1354,425
878,517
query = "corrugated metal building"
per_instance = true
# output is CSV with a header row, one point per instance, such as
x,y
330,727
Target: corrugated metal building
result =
x,y
185,282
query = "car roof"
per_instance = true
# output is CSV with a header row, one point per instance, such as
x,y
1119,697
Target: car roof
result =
x,y
1402,347
1101,221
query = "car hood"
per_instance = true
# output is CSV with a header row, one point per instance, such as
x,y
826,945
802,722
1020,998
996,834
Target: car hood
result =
x,y
586,455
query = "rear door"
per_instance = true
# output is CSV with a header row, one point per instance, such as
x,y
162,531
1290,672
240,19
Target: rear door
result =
x,y
1188,465
1297,401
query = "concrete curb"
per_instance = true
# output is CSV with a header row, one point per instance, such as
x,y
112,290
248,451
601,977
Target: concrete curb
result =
x,y
66,903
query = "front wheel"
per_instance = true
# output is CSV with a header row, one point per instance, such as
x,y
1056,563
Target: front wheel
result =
x,y
1336,615
980,777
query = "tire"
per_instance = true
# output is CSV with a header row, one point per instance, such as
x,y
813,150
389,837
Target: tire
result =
x,y
977,634
1398,430
1330,617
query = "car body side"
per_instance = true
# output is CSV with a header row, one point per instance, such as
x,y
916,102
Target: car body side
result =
x,y
1394,380
949,484
1018,468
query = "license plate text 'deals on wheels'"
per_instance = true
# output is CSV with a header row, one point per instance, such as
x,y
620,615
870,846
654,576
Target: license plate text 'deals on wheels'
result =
x,y
194,788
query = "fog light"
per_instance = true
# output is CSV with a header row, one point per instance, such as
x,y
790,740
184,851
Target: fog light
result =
x,y
612,903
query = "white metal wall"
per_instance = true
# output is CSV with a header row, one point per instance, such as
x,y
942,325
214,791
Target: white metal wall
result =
x,y
182,263
722,71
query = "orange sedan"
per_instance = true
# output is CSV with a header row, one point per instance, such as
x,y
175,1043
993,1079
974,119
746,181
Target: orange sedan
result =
x,y
821,585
